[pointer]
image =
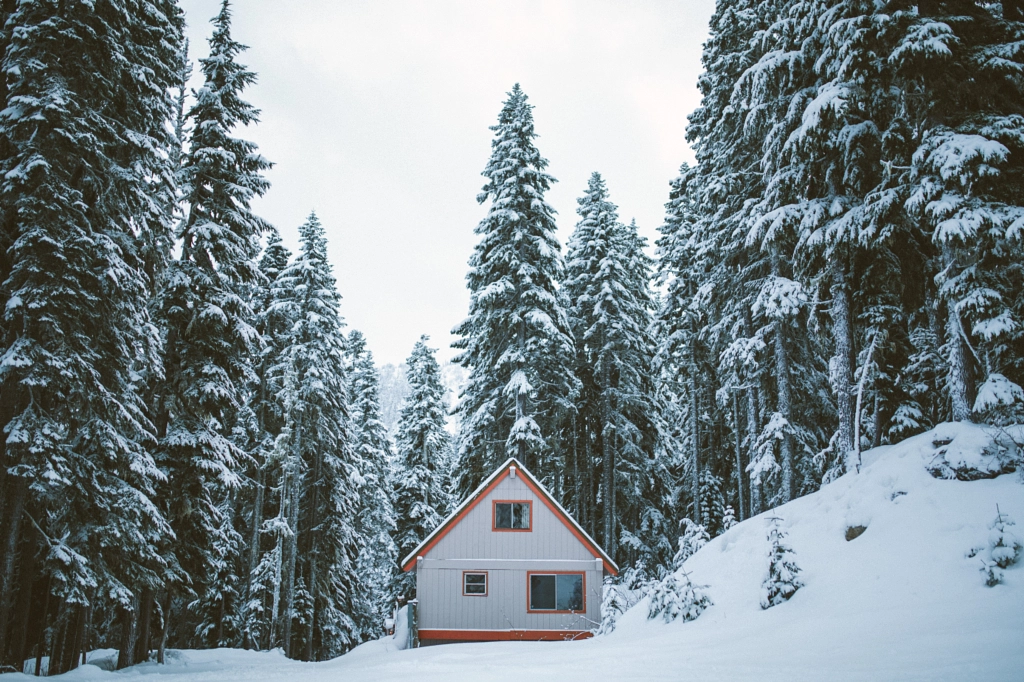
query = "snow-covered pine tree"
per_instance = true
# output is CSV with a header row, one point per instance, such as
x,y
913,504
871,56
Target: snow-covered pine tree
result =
x,y
209,336
607,282
422,445
317,443
376,517
267,419
694,536
965,131
675,596
782,580
728,519
85,188
515,341
1004,545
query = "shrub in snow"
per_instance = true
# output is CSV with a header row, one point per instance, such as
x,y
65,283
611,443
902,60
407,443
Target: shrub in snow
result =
x,y
999,401
782,582
693,538
729,519
620,596
676,596
968,452
1003,549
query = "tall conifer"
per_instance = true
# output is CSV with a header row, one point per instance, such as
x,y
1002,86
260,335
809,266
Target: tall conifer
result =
x,y
516,340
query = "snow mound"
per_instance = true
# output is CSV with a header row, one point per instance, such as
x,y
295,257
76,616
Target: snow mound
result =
x,y
903,599
968,452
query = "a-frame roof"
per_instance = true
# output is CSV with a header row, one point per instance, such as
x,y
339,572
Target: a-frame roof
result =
x,y
481,492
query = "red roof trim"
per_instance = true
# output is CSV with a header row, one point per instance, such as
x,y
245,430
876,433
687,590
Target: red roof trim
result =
x,y
539,491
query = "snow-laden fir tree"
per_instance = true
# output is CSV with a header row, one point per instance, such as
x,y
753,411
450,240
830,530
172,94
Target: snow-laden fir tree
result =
x,y
210,340
515,341
1004,548
693,538
85,191
676,597
266,422
782,580
607,284
376,517
728,519
423,446
320,468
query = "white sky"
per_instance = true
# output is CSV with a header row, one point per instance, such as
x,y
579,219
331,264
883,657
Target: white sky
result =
x,y
376,114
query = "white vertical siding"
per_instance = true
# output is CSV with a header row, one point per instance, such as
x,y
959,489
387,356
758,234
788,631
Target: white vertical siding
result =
x,y
474,538
443,606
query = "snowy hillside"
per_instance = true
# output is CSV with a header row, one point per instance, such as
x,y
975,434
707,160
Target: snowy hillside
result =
x,y
903,601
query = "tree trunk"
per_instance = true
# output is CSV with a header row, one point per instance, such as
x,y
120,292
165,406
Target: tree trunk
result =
x,y
165,625
753,427
16,492
739,452
607,461
956,350
254,539
23,609
782,376
292,543
41,638
520,394
145,615
842,358
695,447
126,643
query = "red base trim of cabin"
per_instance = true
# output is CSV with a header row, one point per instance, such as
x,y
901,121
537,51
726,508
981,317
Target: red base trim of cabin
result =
x,y
427,636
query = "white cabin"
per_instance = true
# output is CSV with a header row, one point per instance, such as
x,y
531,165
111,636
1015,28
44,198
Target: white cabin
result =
x,y
508,564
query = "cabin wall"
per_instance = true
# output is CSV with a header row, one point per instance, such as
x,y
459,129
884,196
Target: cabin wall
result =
x,y
442,605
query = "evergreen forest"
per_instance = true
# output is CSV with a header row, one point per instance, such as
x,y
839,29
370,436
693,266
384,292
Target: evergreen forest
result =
x,y
194,447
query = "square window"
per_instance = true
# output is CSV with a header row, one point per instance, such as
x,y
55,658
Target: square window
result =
x,y
556,592
512,515
474,584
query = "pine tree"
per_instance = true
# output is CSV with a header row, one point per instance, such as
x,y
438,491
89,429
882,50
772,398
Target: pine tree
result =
x,y
676,597
607,282
266,417
376,516
316,442
422,444
728,519
209,336
85,188
515,341
782,580
694,537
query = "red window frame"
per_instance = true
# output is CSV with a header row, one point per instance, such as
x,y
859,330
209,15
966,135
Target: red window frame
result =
x,y
494,516
487,584
532,573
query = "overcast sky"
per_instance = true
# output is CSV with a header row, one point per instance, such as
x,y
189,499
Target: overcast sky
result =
x,y
376,114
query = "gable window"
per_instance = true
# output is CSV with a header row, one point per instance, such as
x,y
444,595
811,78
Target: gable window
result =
x,y
474,583
556,592
513,515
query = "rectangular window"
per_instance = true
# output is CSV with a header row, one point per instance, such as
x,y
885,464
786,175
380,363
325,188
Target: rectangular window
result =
x,y
512,515
474,584
556,592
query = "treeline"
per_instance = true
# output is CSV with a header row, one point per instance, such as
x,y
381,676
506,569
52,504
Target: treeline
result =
x,y
193,452
841,269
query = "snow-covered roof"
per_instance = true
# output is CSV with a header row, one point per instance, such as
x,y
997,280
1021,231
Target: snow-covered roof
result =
x,y
490,482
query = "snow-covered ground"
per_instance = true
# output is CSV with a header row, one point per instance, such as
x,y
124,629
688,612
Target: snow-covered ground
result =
x,y
901,602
